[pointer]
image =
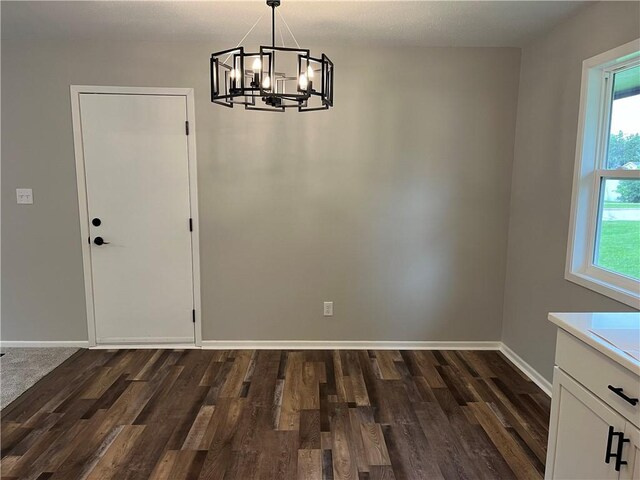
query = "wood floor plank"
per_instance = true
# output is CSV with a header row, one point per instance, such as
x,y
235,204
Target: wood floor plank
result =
x,y
532,431
339,377
412,456
452,458
359,389
113,456
310,429
222,424
163,468
381,472
243,465
355,440
473,439
511,452
243,414
342,451
187,464
386,364
100,383
8,463
264,379
279,455
217,462
374,445
198,428
427,363
233,383
310,464
58,451
292,392
256,418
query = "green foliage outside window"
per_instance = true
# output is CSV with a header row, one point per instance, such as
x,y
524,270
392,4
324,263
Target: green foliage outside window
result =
x,y
624,152
629,191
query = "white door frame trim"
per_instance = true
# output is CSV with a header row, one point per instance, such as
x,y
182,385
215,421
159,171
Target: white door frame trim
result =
x,y
188,93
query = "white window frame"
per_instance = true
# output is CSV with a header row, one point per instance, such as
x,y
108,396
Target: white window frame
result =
x,y
591,147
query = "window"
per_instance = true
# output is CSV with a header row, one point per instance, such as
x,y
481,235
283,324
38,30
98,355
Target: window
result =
x,y
604,236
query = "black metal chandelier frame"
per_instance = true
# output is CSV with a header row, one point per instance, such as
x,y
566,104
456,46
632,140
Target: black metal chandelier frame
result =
x,y
262,87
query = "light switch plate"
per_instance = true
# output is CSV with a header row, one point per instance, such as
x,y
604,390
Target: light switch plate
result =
x,y
24,196
328,309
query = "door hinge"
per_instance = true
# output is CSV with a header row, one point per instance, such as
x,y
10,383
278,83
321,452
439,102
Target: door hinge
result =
x,y
194,315
186,127
191,224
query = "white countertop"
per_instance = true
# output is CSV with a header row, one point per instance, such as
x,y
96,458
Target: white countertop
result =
x,y
582,326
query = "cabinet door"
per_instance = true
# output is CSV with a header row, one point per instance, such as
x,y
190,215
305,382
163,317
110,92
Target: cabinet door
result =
x,y
631,454
579,432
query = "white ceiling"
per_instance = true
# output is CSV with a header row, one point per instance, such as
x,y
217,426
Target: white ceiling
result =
x,y
392,23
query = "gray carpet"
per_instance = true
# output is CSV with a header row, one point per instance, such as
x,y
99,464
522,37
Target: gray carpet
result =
x,y
21,368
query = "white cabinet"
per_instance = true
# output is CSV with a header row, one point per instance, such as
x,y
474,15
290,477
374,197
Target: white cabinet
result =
x,y
632,470
582,426
595,416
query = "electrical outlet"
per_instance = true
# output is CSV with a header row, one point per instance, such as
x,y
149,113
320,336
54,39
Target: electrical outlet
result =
x,y
328,309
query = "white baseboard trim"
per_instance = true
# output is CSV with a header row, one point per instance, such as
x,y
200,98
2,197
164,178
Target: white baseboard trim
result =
x,y
527,369
43,343
343,345
145,341
142,346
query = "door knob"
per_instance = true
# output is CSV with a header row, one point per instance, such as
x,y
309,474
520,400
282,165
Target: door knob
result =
x,y
100,241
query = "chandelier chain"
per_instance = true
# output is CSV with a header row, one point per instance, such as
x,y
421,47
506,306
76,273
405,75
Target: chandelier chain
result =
x,y
290,32
250,30
245,36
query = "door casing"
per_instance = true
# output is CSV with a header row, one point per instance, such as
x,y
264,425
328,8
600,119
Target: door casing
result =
x,y
188,93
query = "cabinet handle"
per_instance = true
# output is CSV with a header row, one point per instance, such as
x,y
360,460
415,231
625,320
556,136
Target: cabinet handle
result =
x,y
620,392
608,455
618,455
621,442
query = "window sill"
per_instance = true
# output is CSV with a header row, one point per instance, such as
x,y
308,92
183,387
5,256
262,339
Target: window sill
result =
x,y
628,297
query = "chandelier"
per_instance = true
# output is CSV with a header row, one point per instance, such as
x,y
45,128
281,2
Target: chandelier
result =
x,y
273,79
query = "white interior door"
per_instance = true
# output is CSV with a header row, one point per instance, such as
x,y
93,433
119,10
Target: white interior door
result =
x,y
137,186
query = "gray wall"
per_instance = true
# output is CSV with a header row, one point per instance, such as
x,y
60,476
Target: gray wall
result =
x,y
394,204
546,132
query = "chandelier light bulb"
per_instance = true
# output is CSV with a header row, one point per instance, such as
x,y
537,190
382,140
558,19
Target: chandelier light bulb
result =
x,y
310,72
303,82
266,83
257,65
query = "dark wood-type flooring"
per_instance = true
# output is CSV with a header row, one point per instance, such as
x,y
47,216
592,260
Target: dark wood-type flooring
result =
x,y
177,414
